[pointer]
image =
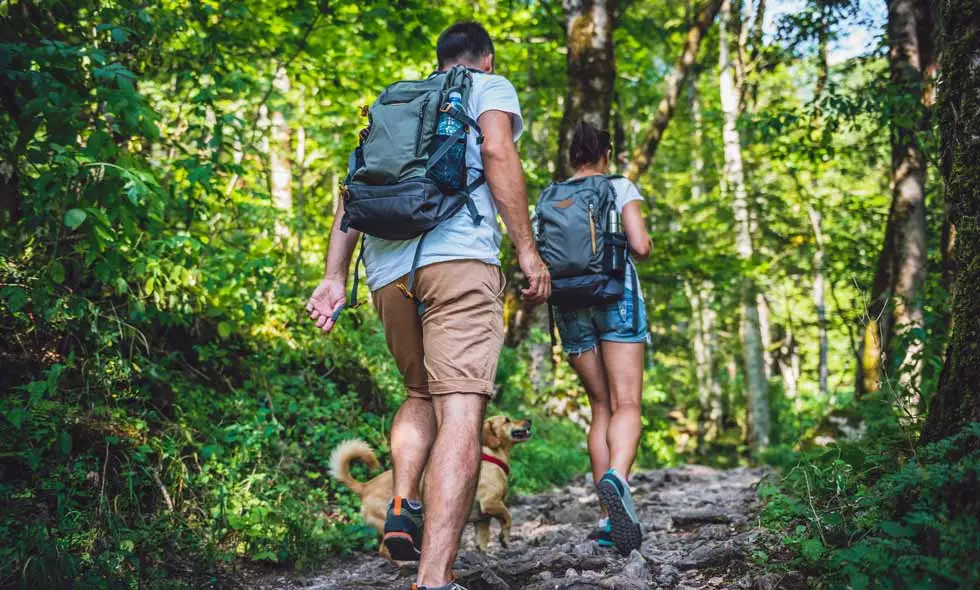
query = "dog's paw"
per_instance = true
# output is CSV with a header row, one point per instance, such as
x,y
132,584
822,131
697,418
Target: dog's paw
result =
x,y
504,541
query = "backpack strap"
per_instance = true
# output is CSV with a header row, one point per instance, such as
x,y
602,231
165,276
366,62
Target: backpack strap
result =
x,y
352,300
410,284
551,325
636,295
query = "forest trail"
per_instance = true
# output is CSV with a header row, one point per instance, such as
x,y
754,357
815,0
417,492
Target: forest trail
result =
x,y
700,532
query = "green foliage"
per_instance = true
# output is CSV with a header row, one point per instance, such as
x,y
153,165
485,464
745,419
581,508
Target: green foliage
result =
x,y
872,514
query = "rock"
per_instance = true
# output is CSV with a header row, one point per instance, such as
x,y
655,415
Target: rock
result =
x,y
545,576
767,582
571,573
713,531
623,583
636,567
700,516
586,549
668,576
574,513
708,555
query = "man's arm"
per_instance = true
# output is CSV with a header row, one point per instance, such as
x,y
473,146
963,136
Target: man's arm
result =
x,y
502,166
332,290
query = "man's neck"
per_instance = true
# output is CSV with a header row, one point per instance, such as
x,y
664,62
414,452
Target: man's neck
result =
x,y
450,66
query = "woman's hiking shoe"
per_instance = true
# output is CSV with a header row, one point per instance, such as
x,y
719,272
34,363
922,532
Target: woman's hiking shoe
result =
x,y
615,496
449,586
403,530
602,534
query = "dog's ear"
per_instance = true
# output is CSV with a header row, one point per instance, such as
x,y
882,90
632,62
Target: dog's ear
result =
x,y
490,438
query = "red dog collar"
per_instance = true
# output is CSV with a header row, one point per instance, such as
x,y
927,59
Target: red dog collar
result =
x,y
496,462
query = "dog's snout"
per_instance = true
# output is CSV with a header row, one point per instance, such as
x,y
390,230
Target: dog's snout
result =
x,y
528,422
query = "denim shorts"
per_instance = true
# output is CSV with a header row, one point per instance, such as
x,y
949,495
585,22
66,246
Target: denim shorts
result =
x,y
581,330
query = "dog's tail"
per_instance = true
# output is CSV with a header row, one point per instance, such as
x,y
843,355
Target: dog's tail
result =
x,y
343,455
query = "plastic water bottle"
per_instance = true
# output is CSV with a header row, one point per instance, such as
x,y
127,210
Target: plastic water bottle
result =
x,y
450,171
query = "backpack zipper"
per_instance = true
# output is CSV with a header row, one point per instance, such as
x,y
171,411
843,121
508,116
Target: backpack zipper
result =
x,y
418,134
592,227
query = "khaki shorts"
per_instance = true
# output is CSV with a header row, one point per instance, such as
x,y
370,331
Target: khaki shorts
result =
x,y
454,346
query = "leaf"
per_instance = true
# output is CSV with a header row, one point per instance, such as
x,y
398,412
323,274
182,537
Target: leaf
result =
x,y
57,272
225,329
16,297
895,529
75,218
64,442
119,35
811,549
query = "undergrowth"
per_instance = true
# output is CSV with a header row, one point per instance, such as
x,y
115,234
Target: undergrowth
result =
x,y
876,513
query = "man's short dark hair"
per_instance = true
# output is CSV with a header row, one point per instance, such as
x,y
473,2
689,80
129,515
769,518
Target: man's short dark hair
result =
x,y
463,42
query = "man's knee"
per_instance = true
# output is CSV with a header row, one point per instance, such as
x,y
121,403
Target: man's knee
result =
x,y
463,411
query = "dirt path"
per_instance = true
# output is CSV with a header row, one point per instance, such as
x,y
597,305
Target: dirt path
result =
x,y
699,533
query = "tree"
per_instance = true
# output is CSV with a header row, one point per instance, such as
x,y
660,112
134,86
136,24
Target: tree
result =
x,y
895,306
752,341
643,155
591,63
957,402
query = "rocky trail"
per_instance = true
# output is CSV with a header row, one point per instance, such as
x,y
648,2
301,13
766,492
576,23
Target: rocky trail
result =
x,y
700,532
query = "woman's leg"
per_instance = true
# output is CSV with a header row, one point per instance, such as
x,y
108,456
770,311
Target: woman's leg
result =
x,y
589,367
623,364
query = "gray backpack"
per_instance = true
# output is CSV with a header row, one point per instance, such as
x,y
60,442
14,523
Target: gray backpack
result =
x,y
585,253
405,178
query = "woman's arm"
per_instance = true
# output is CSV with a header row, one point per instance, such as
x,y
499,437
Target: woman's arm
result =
x,y
636,231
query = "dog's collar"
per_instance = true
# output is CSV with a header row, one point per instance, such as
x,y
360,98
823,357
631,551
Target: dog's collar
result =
x,y
499,463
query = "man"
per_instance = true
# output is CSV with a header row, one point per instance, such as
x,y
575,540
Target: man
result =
x,y
448,355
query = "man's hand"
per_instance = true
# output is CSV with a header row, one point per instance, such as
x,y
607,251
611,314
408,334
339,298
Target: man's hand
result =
x,y
327,298
538,277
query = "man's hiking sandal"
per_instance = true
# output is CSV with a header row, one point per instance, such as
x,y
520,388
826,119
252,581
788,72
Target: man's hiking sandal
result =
x,y
615,497
403,530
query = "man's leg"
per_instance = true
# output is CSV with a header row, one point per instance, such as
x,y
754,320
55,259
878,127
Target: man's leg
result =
x,y
450,482
414,427
463,331
412,434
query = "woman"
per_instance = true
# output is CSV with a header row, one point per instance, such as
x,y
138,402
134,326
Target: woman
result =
x,y
607,351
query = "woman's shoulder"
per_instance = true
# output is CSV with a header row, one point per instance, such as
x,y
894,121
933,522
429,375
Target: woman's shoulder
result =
x,y
626,190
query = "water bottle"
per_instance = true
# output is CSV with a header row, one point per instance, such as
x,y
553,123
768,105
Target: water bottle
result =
x,y
450,171
614,228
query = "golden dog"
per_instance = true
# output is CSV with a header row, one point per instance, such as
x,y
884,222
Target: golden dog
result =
x,y
500,434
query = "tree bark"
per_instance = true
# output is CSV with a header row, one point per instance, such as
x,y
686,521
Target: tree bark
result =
x,y
957,402
819,297
752,348
591,71
643,155
895,307
280,164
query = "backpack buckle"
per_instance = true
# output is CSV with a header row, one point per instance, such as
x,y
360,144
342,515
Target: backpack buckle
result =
x,y
364,110
445,108
404,289
363,133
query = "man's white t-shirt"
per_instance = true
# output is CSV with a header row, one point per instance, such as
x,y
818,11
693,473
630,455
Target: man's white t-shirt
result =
x,y
456,238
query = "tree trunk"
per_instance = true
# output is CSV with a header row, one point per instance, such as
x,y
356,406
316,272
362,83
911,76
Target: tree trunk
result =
x,y
895,307
957,403
643,155
591,71
280,166
819,298
752,348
